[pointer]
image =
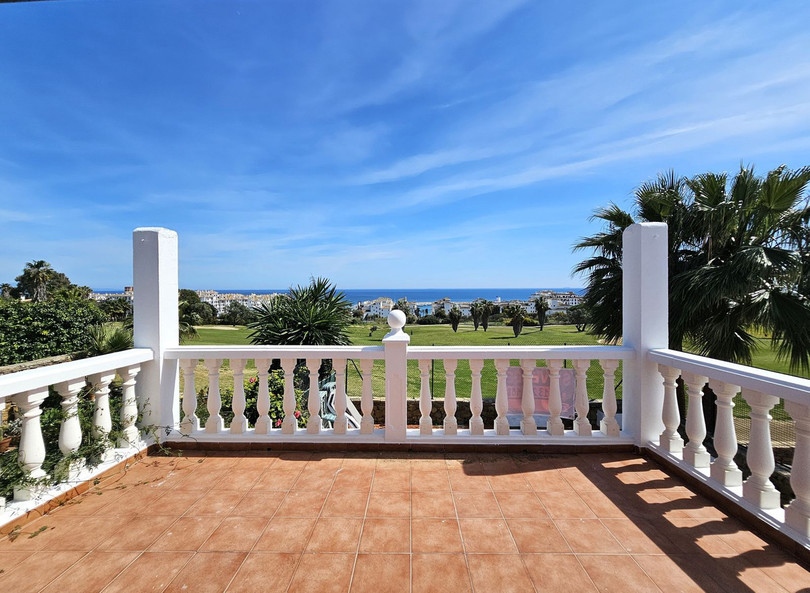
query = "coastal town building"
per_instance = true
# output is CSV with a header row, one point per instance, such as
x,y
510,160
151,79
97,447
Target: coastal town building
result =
x,y
221,300
128,294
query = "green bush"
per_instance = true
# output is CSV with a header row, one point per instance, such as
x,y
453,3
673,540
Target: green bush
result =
x,y
275,383
29,331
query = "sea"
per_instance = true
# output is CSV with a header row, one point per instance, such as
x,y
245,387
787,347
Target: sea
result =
x,y
417,295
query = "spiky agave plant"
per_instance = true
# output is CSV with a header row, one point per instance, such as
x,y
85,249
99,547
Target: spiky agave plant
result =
x,y
313,315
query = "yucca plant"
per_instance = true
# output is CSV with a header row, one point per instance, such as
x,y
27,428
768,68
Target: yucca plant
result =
x,y
312,315
108,338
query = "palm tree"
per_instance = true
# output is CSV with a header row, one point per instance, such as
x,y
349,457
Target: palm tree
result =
x,y
476,312
35,276
541,307
738,260
516,318
486,311
315,315
6,290
455,318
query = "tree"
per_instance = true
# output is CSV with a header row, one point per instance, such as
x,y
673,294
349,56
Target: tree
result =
x,y
33,282
515,314
237,314
455,317
372,329
737,255
190,297
73,293
578,315
476,312
316,314
7,291
486,311
541,307
116,309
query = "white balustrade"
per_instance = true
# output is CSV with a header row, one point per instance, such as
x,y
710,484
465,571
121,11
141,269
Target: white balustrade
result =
x,y
758,487
29,389
425,405
263,397
695,452
239,424
215,423
670,440
609,426
129,406
476,401
70,431
450,422
367,398
797,513
501,402
527,424
582,426
290,422
555,425
190,422
102,419
341,423
314,400
723,469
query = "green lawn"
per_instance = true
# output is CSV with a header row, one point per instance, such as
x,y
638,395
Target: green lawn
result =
x,y
422,335
442,335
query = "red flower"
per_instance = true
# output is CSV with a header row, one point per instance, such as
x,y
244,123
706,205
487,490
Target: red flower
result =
x,y
277,423
297,414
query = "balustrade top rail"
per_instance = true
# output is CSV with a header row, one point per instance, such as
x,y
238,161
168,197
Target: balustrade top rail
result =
x,y
777,384
523,352
66,371
265,352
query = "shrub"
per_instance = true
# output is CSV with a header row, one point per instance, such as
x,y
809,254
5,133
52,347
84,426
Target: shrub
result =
x,y
275,383
428,320
29,331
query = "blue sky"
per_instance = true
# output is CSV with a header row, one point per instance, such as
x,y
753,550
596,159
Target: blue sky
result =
x,y
380,144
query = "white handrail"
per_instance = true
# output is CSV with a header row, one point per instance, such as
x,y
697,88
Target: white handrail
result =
x,y
776,384
522,352
42,377
264,352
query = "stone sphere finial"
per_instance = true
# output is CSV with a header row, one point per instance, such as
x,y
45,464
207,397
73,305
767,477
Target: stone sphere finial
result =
x,y
396,319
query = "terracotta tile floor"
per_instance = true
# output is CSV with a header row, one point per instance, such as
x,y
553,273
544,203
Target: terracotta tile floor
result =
x,y
410,523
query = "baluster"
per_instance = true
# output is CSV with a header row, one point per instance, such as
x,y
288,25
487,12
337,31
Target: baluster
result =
x,y
239,424
555,424
129,406
501,401
367,399
609,426
582,426
314,402
70,431
290,422
694,452
527,424
450,422
341,424
102,420
723,469
32,446
797,513
425,404
758,487
670,440
190,422
215,422
476,400
262,398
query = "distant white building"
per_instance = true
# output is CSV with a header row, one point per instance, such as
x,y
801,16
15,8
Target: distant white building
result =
x,y
128,294
222,300
558,301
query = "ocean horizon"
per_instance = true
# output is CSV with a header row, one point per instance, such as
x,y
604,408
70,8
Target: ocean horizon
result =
x,y
414,295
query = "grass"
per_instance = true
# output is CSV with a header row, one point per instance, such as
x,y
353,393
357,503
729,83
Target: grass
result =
x,y
421,335
442,335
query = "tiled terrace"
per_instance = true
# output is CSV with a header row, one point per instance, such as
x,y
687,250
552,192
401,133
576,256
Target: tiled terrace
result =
x,y
387,522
